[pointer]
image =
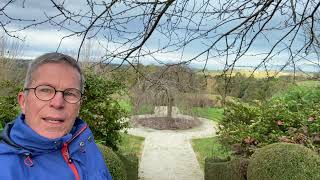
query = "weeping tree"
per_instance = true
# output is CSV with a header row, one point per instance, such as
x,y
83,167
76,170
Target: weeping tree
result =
x,y
162,87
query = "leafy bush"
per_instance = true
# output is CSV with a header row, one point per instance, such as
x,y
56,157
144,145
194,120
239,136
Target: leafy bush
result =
x,y
9,107
250,88
101,111
292,116
236,123
115,165
284,161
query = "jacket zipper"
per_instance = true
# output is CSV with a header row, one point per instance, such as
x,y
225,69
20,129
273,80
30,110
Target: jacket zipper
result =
x,y
66,155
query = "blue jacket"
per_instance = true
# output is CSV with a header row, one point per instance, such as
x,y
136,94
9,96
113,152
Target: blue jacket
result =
x,y
26,155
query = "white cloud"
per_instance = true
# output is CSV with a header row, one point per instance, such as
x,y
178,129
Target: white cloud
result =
x,y
39,41
50,39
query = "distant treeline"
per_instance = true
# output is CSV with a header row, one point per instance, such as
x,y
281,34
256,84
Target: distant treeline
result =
x,y
182,78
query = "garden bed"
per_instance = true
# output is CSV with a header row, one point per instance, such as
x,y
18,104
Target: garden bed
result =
x,y
166,123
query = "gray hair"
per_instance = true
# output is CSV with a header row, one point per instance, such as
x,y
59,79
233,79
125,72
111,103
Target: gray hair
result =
x,y
53,58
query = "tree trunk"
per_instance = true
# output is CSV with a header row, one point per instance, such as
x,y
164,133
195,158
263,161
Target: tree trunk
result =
x,y
169,106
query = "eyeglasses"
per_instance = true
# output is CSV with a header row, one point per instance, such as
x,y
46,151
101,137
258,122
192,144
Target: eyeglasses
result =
x,y
46,93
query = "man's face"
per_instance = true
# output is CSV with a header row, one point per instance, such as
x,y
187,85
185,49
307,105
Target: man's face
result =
x,y
53,118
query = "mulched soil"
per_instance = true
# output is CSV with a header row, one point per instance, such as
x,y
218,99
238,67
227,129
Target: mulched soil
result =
x,y
166,123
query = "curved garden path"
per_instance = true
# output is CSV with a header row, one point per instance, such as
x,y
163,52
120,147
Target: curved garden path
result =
x,y
168,154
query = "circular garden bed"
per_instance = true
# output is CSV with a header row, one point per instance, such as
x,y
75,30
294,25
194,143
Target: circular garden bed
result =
x,y
166,123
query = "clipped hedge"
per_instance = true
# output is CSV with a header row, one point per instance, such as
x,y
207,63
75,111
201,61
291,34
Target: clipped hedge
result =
x,y
115,165
131,163
234,169
284,161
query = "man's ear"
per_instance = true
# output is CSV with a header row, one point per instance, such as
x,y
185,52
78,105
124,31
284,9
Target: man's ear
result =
x,y
22,101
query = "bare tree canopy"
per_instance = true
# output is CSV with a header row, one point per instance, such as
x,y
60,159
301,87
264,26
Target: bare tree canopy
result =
x,y
230,32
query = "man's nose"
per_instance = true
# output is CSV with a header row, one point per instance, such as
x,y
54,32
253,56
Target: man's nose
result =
x,y
57,101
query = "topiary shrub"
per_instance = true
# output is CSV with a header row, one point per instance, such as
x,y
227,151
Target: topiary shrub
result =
x,y
225,169
115,165
284,161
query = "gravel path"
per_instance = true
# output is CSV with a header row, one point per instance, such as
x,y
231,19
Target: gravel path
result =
x,y
168,154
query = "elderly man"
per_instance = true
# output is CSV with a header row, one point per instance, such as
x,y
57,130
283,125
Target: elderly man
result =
x,y
48,141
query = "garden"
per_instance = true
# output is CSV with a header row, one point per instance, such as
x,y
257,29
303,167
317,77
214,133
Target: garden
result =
x,y
266,125
248,68
276,139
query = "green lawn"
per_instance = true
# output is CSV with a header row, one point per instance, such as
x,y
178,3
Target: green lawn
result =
x,y
309,83
144,109
209,147
131,144
215,114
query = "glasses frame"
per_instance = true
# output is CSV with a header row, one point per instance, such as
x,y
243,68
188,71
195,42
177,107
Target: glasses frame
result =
x,y
55,92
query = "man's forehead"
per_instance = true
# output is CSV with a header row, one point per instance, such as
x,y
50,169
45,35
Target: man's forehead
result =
x,y
51,64
36,74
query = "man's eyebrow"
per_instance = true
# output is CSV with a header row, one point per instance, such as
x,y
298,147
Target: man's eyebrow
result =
x,y
43,84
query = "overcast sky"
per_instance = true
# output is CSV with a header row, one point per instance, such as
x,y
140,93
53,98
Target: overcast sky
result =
x,y
46,38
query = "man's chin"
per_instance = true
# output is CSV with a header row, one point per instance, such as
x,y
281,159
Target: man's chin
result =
x,y
52,134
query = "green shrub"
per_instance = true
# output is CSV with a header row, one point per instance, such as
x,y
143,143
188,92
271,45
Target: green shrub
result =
x,y
227,169
9,107
101,110
250,88
115,165
292,116
284,161
131,163
237,121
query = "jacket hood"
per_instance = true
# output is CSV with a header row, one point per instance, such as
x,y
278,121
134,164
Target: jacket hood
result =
x,y
21,139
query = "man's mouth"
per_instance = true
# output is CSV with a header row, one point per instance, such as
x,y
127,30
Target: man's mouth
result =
x,y
53,120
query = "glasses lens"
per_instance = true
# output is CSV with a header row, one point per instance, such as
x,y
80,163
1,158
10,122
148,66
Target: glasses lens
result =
x,y
72,95
44,92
